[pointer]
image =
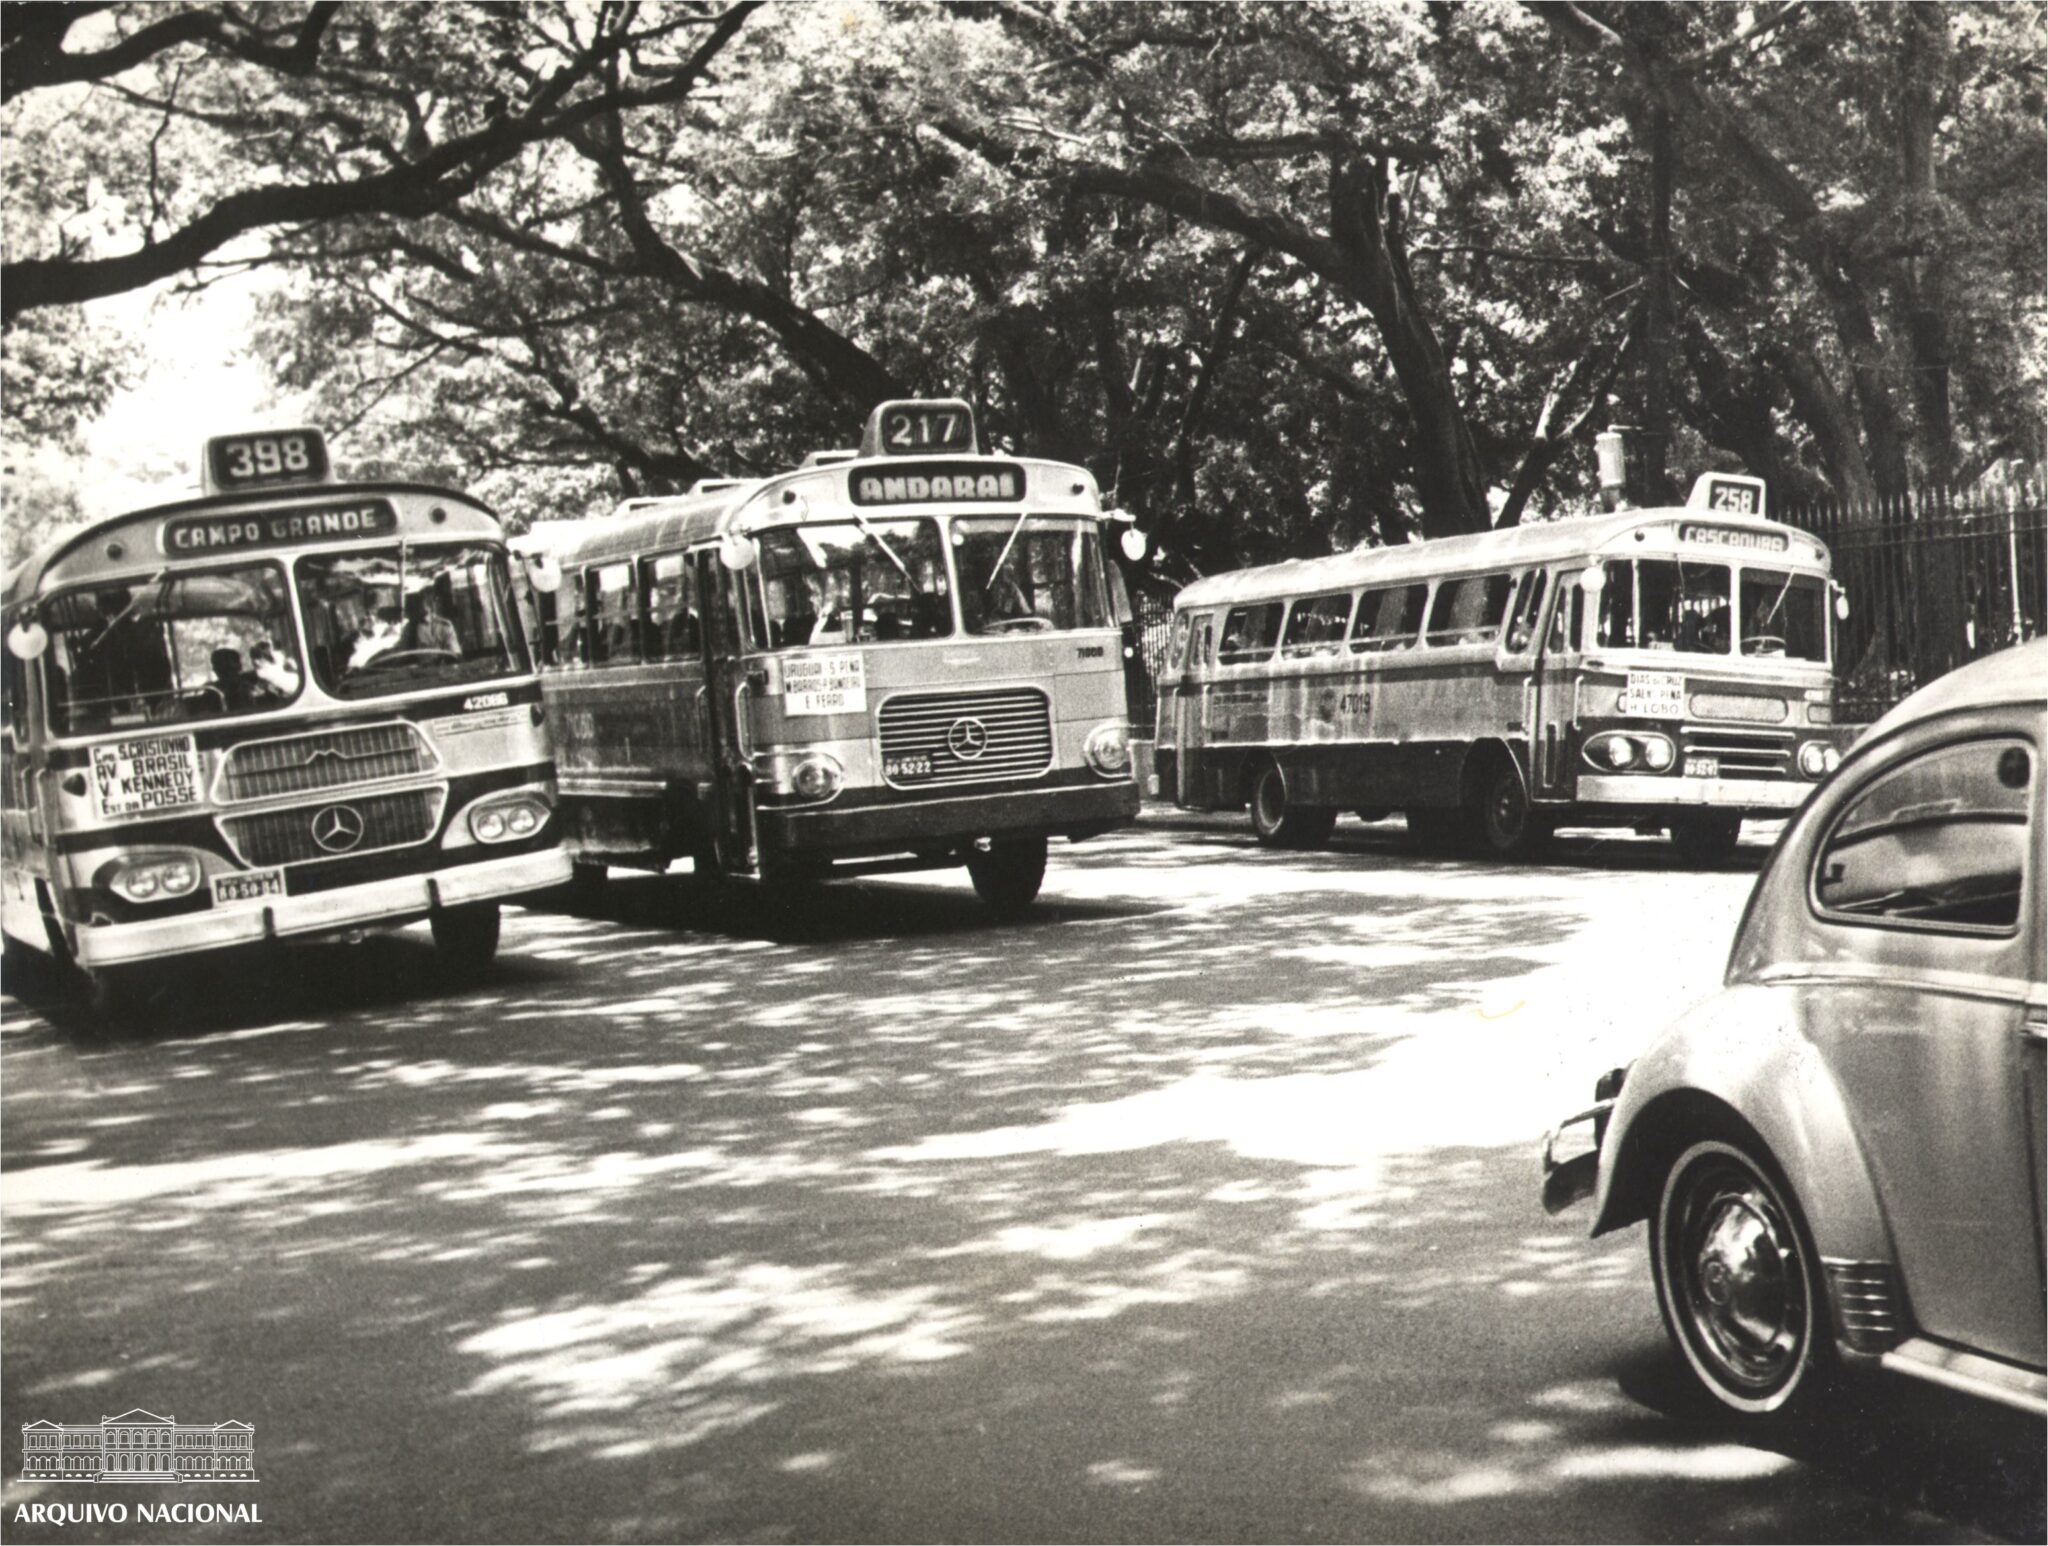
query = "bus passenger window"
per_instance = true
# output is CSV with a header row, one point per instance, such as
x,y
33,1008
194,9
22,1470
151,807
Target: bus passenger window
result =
x,y
1205,644
1176,652
1388,619
1316,626
614,635
1250,633
1468,611
674,631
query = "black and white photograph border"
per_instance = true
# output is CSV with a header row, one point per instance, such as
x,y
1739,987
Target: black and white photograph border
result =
x,y
1048,770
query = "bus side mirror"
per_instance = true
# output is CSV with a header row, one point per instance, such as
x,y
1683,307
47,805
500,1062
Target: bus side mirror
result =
x,y
544,575
1133,543
737,551
1593,581
1841,604
27,641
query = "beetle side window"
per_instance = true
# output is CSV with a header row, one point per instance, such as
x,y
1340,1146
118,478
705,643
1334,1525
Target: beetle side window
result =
x,y
1940,841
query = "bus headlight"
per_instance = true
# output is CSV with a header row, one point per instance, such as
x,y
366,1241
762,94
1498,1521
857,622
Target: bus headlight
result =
x,y
1817,759
1108,749
507,821
154,879
816,777
1636,748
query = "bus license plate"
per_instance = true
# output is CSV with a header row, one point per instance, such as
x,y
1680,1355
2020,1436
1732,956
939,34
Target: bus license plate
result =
x,y
906,767
1703,767
249,886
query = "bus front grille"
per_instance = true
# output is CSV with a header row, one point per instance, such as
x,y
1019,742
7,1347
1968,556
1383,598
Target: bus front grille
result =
x,y
935,739
335,829
1740,753
323,759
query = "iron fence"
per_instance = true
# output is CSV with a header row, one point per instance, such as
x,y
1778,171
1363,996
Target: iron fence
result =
x,y
1934,579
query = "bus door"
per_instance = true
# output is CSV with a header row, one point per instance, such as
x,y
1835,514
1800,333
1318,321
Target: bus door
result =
x,y
1557,670
1191,706
730,810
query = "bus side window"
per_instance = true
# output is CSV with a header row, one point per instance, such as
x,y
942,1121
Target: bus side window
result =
x,y
722,624
1250,633
1528,611
1316,624
674,629
1564,616
1388,619
614,635
1177,651
572,604
1468,610
1205,643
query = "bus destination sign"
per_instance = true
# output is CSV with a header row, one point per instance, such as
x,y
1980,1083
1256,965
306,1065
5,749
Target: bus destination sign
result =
x,y
1734,537
918,483
280,528
267,460
916,428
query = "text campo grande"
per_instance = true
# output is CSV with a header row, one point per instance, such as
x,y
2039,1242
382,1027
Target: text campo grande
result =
x,y
142,1514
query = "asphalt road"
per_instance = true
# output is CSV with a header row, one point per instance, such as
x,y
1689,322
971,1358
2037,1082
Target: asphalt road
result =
x,y
1200,1205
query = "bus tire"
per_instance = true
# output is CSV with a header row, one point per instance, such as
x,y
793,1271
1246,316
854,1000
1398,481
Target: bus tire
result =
x,y
467,936
1706,837
1279,823
1511,826
1008,873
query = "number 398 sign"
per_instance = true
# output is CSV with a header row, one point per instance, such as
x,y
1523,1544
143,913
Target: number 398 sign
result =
x,y
265,460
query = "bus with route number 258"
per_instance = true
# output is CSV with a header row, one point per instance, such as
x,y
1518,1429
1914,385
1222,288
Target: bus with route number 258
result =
x,y
291,707
1664,669
906,656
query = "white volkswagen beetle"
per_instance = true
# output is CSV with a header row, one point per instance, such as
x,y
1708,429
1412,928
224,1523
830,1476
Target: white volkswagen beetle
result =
x,y
1840,1155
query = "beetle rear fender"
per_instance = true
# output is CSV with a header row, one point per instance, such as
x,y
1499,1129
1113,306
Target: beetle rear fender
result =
x,y
1738,1067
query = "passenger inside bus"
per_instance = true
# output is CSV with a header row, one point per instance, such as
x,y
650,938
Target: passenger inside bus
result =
x,y
426,628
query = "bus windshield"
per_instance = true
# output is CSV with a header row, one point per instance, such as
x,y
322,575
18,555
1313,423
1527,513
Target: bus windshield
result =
x,y
1784,614
865,582
407,619
1027,573
1665,604
168,649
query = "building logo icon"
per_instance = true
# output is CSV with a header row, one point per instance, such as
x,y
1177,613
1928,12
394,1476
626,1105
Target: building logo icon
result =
x,y
138,1446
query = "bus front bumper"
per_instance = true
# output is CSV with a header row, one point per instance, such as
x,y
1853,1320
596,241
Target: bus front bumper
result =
x,y
911,823
372,904
1637,790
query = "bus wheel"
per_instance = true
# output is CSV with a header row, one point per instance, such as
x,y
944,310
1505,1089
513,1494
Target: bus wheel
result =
x,y
1279,824
1707,837
1512,829
467,936
1008,873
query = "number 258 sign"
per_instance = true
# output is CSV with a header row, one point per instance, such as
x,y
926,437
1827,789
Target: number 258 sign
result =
x,y
264,460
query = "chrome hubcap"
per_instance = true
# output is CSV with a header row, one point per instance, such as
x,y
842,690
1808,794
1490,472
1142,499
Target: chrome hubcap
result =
x,y
1742,1285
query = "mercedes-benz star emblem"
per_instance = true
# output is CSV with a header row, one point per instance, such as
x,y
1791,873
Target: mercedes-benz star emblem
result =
x,y
967,739
338,828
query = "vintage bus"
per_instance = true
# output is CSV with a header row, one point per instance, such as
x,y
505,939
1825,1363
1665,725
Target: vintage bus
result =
x,y
1665,669
291,707
902,657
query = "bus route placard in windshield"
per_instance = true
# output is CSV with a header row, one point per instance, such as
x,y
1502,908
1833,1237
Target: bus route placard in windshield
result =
x,y
279,528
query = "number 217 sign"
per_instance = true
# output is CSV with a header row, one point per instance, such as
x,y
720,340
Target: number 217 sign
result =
x,y
919,428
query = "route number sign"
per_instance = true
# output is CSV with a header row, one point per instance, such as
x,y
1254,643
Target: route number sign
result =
x,y
920,429
265,460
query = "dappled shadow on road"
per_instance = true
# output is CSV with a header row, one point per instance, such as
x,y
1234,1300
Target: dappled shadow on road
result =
x,y
1191,1207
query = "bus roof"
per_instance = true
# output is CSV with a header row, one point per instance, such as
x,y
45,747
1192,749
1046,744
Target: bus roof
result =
x,y
27,578
1515,548
640,526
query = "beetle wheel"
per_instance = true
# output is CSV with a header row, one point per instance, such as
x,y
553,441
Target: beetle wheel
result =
x,y
1737,1282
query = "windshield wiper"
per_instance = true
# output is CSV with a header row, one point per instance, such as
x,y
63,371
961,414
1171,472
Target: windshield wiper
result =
x,y
1004,557
1783,590
148,587
881,542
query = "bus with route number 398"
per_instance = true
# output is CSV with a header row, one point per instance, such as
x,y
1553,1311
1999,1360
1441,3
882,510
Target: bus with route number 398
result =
x,y
1663,669
289,708
906,656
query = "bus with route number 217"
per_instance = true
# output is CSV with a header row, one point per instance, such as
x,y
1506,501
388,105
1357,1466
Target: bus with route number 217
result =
x,y
906,656
291,707
1664,669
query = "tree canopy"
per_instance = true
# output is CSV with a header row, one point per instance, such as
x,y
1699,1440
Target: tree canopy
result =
x,y
1285,277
